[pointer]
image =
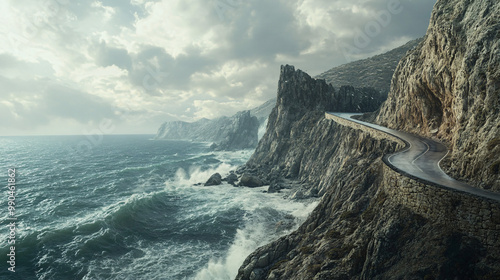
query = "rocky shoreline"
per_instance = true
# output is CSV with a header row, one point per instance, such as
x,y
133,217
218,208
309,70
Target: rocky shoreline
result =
x,y
301,103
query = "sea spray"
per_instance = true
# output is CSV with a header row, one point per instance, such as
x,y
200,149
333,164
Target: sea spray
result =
x,y
268,216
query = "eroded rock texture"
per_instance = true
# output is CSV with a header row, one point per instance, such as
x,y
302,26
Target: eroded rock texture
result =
x,y
359,230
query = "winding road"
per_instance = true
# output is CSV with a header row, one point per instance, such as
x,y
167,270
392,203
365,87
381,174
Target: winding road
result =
x,y
421,159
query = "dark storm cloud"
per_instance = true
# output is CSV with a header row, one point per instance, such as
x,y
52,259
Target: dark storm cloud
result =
x,y
357,29
266,28
107,56
391,20
154,69
8,61
68,103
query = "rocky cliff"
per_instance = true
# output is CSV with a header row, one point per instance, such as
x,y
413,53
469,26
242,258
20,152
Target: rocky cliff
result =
x,y
361,229
285,150
227,133
449,88
375,72
373,223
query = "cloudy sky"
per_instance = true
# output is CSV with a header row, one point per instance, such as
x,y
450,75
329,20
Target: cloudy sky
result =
x,y
70,67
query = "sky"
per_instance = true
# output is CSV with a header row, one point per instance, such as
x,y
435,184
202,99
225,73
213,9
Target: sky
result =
x,y
126,66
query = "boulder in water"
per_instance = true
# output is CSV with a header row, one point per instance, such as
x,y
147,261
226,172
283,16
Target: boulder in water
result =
x,y
274,188
248,180
214,180
232,178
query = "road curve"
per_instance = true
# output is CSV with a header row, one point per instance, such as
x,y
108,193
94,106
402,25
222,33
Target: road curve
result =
x,y
421,158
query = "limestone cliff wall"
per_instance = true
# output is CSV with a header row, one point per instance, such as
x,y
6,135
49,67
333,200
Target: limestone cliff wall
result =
x,y
371,223
449,87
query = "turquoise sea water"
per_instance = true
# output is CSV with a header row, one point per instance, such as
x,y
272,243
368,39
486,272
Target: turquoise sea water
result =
x,y
126,207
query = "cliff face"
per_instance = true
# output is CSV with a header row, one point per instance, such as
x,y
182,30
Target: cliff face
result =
x,y
373,72
362,228
228,133
449,88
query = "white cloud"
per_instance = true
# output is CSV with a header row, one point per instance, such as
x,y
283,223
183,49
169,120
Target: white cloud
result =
x,y
151,61
106,11
174,25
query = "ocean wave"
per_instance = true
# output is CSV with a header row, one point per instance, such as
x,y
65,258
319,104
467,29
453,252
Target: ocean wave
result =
x,y
137,214
197,174
264,217
267,218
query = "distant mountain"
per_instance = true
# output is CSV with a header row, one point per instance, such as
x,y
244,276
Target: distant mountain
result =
x,y
375,72
227,133
240,131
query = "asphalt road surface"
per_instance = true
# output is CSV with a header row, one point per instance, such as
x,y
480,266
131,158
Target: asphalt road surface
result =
x,y
421,159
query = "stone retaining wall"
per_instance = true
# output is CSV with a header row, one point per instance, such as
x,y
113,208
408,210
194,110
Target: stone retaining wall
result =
x,y
466,213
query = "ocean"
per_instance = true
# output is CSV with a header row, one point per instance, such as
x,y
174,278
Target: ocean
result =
x,y
127,207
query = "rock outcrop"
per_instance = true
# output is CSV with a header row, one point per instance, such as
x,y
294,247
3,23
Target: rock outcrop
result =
x,y
214,180
286,151
249,180
231,179
227,133
449,88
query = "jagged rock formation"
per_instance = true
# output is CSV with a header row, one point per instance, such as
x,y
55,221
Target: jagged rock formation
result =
x,y
227,133
248,180
301,103
449,88
375,72
231,179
